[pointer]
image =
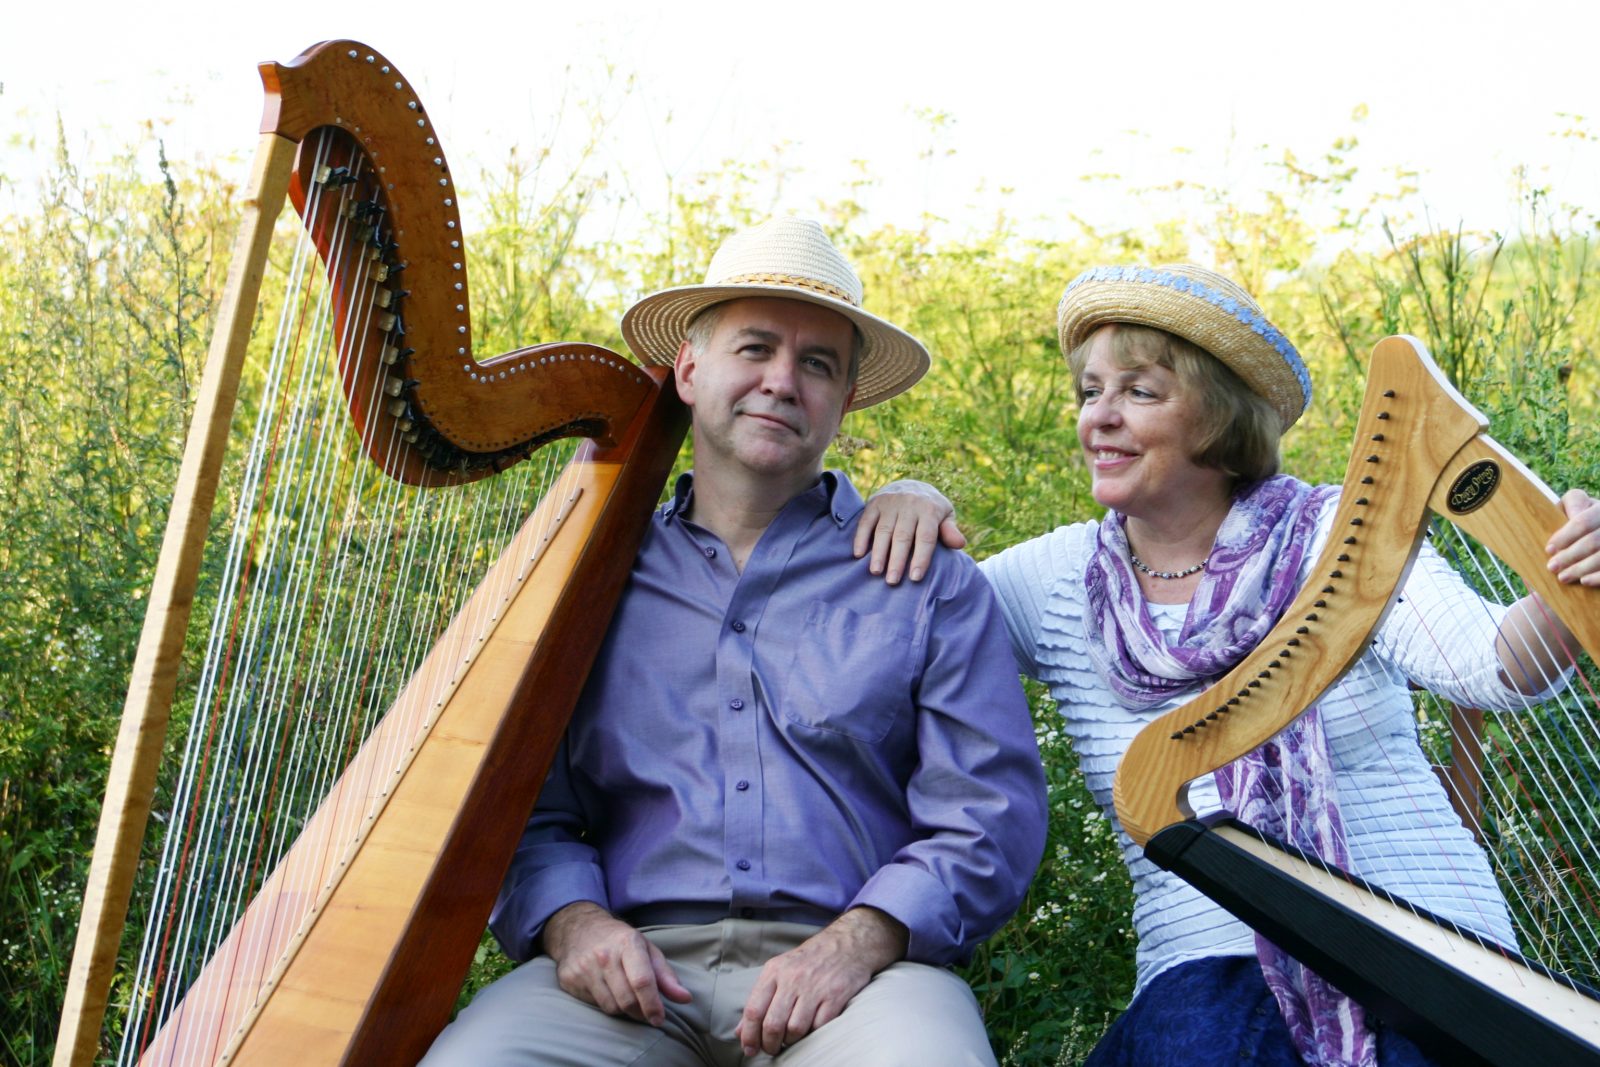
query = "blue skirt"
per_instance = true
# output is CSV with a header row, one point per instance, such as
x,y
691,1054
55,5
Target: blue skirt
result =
x,y
1217,1011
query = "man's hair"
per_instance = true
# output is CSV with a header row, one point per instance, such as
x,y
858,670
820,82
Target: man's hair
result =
x,y
1239,428
703,325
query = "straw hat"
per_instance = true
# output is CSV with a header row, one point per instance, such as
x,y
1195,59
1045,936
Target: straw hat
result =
x,y
1202,307
790,258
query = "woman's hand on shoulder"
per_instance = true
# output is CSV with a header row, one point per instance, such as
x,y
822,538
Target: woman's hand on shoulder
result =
x,y
1574,549
900,527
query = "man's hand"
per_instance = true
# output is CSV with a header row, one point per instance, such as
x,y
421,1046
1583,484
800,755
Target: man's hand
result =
x,y
901,524
811,984
603,960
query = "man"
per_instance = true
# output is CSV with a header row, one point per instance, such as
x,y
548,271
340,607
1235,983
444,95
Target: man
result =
x,y
789,796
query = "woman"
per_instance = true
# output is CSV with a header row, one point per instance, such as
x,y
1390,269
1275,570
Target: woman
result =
x,y
1184,389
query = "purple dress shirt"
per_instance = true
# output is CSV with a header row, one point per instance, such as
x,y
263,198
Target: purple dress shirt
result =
x,y
789,742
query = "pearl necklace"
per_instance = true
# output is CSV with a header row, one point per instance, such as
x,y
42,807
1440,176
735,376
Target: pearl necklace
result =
x,y
1140,565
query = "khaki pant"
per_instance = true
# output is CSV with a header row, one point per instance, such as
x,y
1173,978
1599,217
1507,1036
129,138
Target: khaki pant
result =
x,y
911,1014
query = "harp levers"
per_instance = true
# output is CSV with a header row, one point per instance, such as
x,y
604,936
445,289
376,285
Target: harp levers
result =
x,y
1420,449
399,624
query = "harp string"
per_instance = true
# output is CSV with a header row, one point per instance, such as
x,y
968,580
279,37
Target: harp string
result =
x,y
1538,797
1539,793
333,590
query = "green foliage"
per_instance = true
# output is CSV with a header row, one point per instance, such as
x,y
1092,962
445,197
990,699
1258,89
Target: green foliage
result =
x,y
108,283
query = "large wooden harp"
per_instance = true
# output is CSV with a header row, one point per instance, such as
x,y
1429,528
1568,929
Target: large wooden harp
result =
x,y
358,872
1420,448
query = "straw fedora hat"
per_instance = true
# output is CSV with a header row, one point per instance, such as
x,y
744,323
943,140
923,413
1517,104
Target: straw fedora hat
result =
x,y
790,258
1202,307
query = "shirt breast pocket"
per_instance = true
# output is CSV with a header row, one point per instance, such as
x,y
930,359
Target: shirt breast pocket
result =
x,y
851,674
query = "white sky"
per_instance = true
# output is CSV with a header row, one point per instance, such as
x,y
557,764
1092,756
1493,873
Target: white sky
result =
x,y
1039,94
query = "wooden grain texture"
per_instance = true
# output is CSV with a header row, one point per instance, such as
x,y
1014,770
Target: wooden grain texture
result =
x,y
142,734
350,108
423,875
1469,1003
1412,423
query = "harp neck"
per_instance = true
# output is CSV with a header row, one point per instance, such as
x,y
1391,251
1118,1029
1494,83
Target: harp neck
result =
x,y
1412,424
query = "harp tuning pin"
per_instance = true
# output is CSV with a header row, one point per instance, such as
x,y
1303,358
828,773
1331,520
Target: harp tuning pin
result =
x,y
406,425
397,408
1336,574
1294,642
1384,415
1389,393
383,297
1265,674
1232,701
1254,683
1343,557
410,437
1372,458
1361,500
394,387
380,273
1312,617
390,355
1349,540
1176,737
1367,480
1377,437
396,268
1329,589
1302,629
388,321
1320,604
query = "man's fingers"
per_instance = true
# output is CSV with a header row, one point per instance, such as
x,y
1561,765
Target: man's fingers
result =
x,y
755,1011
775,1025
667,978
639,996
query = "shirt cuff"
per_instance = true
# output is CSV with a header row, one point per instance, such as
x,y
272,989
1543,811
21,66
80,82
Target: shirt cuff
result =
x,y
518,921
924,904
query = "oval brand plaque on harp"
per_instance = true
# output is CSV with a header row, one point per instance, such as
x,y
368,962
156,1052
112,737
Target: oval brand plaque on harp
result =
x,y
1474,487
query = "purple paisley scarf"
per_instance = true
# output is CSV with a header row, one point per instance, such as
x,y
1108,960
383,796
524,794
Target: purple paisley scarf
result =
x,y
1284,788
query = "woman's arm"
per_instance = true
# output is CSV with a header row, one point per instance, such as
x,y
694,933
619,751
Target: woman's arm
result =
x,y
901,525
1534,646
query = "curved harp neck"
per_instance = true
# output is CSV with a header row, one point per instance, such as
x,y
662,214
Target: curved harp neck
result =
x,y
387,223
1412,425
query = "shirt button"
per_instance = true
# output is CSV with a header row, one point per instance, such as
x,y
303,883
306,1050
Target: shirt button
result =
x,y
738,627
743,865
741,785
711,553
736,704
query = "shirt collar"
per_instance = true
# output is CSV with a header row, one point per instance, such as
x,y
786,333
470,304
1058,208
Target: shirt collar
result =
x,y
832,493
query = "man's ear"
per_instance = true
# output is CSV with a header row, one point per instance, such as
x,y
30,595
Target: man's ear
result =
x,y
683,369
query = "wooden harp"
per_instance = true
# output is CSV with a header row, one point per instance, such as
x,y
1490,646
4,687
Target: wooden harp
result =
x,y
1419,448
350,922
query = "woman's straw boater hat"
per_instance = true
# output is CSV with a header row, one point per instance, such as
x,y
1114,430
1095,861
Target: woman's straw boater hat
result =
x,y
793,259
1202,307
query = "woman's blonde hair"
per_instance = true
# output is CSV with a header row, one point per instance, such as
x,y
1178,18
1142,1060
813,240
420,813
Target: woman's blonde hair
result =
x,y
1239,429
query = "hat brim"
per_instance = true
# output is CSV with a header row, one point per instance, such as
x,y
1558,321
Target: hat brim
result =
x,y
891,360
1237,335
